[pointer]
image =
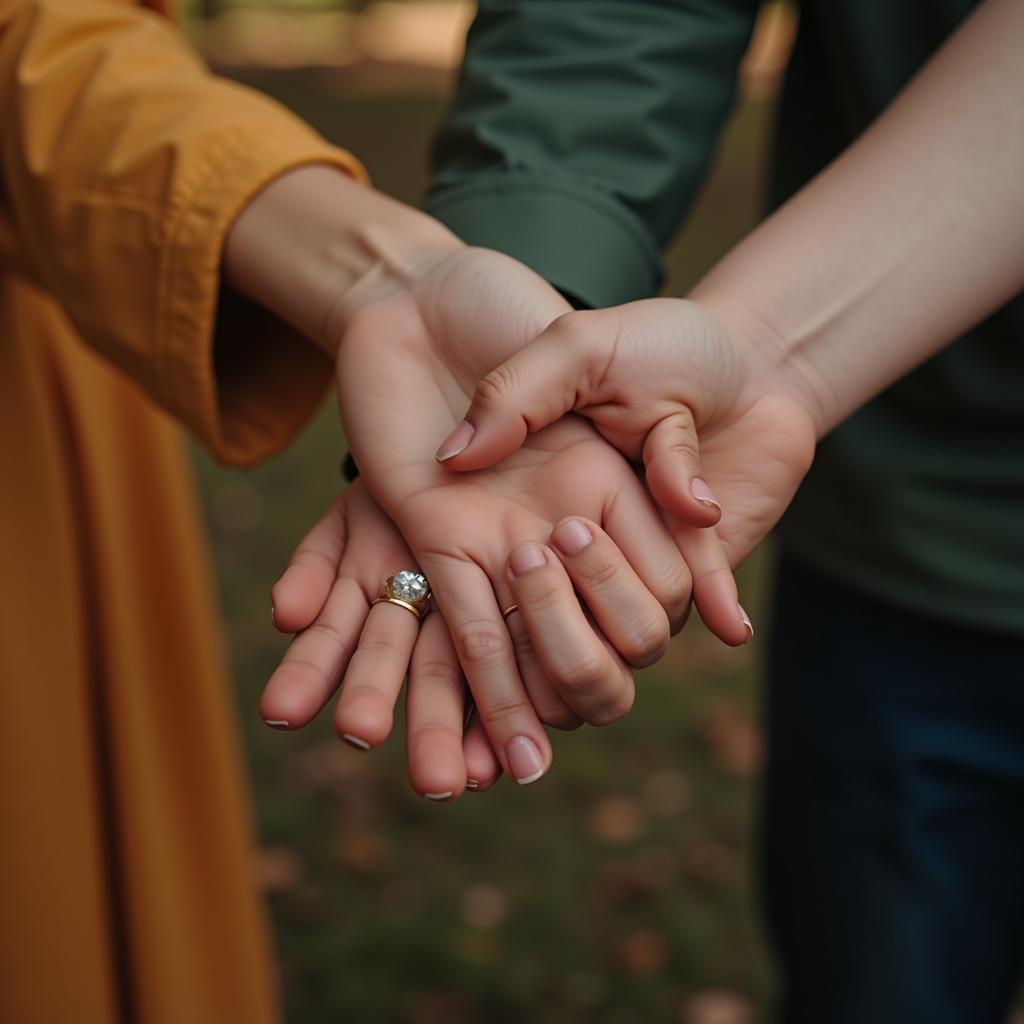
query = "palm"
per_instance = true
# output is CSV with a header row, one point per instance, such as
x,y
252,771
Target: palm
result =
x,y
407,369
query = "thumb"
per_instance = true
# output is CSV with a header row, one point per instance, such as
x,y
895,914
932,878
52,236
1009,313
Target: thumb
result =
x,y
672,460
532,389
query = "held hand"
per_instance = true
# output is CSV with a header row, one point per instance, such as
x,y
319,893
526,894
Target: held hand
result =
x,y
664,381
324,598
407,365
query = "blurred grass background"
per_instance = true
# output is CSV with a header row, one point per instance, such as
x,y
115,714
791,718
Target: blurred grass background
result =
x,y
617,891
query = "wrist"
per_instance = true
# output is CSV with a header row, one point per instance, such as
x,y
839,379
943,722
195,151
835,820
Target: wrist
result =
x,y
315,245
775,364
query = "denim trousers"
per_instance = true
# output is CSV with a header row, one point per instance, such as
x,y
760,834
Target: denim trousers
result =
x,y
892,856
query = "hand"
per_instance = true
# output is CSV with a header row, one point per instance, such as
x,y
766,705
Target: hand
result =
x,y
324,597
667,382
408,362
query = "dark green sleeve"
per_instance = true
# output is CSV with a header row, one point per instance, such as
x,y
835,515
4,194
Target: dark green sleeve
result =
x,y
581,129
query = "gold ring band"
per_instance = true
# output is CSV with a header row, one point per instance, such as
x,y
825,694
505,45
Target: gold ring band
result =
x,y
401,604
509,610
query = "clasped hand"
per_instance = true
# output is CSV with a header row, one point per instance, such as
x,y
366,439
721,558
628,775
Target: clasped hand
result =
x,y
552,517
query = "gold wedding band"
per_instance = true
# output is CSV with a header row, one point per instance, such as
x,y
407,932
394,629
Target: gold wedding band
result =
x,y
409,590
509,610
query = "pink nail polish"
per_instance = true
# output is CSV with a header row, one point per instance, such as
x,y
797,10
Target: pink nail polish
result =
x,y
572,537
700,490
525,764
457,441
526,558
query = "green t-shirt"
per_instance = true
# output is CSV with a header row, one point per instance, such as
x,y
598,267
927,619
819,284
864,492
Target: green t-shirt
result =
x,y
578,136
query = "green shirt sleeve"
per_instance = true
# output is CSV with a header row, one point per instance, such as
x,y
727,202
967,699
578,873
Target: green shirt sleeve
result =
x,y
580,131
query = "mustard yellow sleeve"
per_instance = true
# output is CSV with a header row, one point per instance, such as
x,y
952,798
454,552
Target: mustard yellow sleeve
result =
x,y
123,162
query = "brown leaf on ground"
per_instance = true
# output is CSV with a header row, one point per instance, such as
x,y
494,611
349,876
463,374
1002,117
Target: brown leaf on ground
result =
x,y
617,819
642,952
667,793
277,868
733,737
484,906
362,851
709,861
718,1006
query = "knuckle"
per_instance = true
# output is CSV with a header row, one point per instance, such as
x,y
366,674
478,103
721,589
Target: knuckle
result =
x,y
559,717
438,671
481,644
496,712
331,635
646,641
598,571
674,589
580,676
495,387
616,709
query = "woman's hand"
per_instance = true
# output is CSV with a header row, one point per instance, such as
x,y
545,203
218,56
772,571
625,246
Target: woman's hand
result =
x,y
664,381
324,597
408,362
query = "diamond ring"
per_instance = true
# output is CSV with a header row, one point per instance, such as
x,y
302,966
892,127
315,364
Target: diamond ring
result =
x,y
409,590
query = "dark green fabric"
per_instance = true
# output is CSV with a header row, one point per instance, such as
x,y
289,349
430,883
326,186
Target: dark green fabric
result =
x,y
579,134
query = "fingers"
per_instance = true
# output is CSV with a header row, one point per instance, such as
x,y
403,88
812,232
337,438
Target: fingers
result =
x,y
593,683
550,707
364,713
714,586
672,460
435,712
628,614
314,662
534,388
636,527
484,647
300,593
482,766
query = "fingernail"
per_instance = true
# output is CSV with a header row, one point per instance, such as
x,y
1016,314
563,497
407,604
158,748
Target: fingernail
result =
x,y
524,761
700,490
457,441
439,796
273,621
526,558
276,723
572,537
745,619
355,741
472,784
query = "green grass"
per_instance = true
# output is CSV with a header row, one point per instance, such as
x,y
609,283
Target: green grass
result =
x,y
609,892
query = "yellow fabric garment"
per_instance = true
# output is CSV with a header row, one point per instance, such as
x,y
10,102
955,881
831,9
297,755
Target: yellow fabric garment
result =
x,y
125,891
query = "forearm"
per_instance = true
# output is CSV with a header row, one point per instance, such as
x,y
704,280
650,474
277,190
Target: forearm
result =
x,y
314,244
913,235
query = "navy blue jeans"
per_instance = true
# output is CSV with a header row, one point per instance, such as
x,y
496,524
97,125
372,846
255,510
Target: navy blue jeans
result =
x,y
893,833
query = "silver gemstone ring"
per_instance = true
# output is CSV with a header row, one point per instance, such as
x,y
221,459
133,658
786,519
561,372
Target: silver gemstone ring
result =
x,y
409,590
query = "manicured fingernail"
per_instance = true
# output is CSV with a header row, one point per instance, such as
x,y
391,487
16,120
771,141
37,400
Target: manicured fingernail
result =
x,y
745,619
526,558
700,490
457,441
439,796
355,741
572,537
276,723
472,784
525,764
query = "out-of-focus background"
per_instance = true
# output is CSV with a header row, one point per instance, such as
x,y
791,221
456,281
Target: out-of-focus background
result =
x,y
620,889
